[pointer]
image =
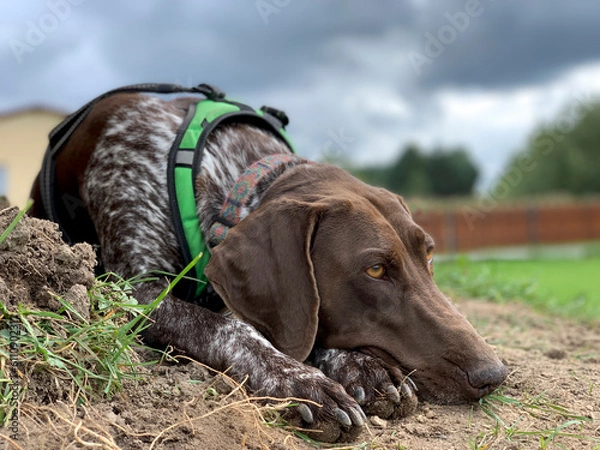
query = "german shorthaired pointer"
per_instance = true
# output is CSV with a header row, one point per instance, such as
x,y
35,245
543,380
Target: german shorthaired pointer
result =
x,y
322,269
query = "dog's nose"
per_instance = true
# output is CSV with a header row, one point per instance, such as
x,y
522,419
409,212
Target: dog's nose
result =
x,y
485,380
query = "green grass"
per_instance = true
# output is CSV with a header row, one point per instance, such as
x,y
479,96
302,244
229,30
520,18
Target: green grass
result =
x,y
91,357
95,355
16,220
569,287
495,405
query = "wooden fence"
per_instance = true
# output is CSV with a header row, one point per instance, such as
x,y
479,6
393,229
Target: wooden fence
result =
x,y
471,227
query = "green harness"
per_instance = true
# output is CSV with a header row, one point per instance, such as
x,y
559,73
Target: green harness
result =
x,y
185,159
185,162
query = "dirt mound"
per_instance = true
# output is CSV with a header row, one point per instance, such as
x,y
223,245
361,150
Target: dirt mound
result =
x,y
550,399
36,265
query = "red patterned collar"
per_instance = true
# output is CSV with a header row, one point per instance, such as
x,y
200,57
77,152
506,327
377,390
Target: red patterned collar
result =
x,y
238,203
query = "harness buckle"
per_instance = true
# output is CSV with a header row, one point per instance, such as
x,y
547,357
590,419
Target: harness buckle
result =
x,y
211,92
277,113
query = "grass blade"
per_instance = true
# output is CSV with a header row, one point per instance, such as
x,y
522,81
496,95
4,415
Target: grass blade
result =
x,y
15,221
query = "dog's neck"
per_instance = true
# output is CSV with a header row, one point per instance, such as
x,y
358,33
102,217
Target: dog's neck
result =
x,y
247,193
229,152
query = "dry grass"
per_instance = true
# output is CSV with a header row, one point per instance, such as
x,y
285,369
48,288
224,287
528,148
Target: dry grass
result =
x,y
70,424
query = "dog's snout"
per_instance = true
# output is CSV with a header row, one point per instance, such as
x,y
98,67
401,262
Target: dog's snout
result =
x,y
486,379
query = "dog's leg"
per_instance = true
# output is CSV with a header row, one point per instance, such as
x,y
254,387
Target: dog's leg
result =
x,y
380,389
229,344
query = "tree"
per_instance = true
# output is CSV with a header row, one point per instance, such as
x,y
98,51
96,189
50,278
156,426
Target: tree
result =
x,y
451,172
561,157
415,173
409,174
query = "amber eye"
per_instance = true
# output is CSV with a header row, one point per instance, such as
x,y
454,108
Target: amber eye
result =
x,y
376,271
430,257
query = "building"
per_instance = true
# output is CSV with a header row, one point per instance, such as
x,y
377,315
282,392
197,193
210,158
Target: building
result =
x,y
23,140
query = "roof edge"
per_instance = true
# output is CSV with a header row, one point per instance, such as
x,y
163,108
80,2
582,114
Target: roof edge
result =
x,y
32,108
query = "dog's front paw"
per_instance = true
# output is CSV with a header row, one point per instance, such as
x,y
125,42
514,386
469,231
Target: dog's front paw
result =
x,y
380,389
330,413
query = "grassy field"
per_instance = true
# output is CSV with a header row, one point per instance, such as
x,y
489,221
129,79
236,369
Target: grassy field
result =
x,y
561,285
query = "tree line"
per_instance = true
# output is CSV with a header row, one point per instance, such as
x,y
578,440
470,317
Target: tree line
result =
x,y
416,172
560,157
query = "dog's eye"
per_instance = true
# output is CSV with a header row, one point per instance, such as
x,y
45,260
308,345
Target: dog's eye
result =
x,y
430,256
377,271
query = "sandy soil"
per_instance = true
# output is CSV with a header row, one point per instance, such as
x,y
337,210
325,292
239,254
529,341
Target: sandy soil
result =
x,y
550,400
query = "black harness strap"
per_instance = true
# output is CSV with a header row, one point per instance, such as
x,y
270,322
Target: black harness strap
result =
x,y
59,136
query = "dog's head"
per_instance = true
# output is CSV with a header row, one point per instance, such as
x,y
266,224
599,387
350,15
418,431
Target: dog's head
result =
x,y
327,259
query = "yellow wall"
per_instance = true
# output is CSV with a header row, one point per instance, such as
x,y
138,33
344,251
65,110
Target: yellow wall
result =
x,y
23,140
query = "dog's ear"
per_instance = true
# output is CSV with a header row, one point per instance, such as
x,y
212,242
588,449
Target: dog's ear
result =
x,y
264,273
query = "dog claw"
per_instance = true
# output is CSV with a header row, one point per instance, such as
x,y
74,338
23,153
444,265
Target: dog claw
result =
x,y
359,395
406,390
392,394
362,414
412,384
358,417
342,417
306,413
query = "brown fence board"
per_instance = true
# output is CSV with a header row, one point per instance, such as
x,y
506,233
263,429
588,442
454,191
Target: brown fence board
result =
x,y
457,231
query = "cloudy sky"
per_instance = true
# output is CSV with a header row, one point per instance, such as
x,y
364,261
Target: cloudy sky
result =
x,y
357,78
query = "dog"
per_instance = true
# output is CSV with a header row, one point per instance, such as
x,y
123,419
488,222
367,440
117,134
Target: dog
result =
x,y
316,267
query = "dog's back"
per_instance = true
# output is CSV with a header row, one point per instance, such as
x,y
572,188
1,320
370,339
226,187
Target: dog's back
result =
x,y
122,117
110,186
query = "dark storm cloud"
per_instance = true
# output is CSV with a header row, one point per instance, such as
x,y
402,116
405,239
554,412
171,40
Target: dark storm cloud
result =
x,y
241,48
344,70
250,47
509,43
